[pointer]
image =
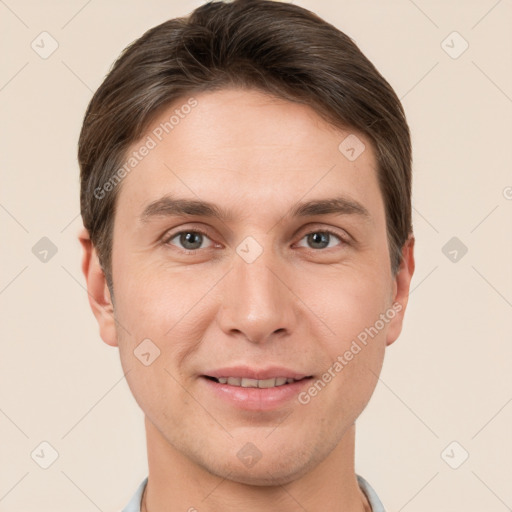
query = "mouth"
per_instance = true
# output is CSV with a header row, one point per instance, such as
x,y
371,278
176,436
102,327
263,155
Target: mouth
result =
x,y
255,390
244,382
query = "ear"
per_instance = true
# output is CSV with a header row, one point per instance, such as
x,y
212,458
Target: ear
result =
x,y
97,290
401,286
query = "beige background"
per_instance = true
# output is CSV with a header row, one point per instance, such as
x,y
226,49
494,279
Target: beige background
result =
x,y
446,379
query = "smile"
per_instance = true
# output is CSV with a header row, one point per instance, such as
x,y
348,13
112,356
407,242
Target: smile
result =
x,y
254,383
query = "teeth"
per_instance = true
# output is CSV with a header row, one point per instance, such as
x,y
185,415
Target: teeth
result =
x,y
267,383
255,383
249,383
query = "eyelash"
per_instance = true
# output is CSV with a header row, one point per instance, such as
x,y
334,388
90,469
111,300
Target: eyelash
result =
x,y
166,240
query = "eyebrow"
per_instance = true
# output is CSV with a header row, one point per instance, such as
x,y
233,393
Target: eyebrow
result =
x,y
168,206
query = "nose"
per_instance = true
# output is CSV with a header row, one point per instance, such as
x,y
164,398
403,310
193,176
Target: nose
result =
x,y
257,302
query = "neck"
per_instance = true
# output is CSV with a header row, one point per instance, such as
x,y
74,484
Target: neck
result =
x,y
175,479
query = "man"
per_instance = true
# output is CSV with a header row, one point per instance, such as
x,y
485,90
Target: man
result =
x,y
246,197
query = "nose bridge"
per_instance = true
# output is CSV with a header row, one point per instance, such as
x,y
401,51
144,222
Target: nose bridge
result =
x,y
256,302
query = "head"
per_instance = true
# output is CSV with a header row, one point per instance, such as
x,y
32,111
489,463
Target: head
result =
x,y
246,199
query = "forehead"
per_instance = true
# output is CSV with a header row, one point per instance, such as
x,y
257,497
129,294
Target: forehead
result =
x,y
250,148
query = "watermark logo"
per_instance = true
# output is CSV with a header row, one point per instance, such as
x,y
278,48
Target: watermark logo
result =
x,y
455,455
44,250
146,352
454,45
249,249
44,455
249,455
351,147
454,249
44,45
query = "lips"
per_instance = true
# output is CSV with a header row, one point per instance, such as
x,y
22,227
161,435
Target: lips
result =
x,y
259,378
259,374
245,382
253,394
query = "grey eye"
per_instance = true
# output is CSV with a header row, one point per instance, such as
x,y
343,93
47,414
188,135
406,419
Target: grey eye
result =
x,y
320,239
189,240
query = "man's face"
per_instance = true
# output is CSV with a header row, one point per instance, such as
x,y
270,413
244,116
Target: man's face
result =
x,y
264,292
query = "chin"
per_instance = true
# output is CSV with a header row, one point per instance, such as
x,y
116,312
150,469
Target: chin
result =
x,y
274,471
264,477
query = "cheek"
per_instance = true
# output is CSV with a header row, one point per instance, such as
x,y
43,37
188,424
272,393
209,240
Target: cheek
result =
x,y
159,326
354,301
354,353
149,296
164,306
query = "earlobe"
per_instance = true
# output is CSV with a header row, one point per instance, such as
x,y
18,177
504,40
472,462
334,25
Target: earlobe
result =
x,y
97,290
402,283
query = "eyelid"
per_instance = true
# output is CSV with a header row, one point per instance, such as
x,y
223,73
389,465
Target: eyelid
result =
x,y
170,234
322,228
343,241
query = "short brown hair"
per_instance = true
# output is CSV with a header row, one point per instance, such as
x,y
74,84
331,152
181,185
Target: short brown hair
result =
x,y
275,47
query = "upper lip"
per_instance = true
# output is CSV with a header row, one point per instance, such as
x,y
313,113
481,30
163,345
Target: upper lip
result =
x,y
256,373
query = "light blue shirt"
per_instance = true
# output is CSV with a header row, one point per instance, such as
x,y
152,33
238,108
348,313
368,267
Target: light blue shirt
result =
x,y
375,503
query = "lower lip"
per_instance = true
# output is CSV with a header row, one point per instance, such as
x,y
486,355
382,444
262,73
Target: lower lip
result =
x,y
257,399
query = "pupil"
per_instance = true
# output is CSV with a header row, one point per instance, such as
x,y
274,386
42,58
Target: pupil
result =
x,y
188,239
319,238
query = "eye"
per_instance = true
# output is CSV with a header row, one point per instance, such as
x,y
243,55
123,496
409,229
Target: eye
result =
x,y
190,240
320,239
